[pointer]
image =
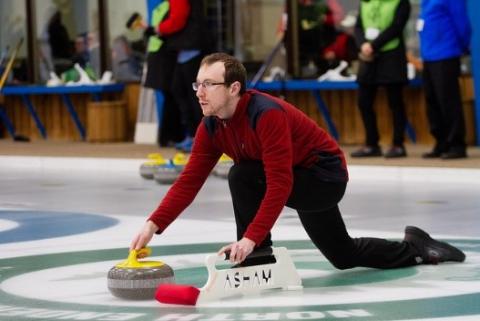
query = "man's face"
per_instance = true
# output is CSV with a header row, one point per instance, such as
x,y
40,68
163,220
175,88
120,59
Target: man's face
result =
x,y
212,98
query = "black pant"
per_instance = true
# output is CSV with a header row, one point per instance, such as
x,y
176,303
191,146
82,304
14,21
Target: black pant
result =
x,y
317,205
444,104
183,77
170,130
366,98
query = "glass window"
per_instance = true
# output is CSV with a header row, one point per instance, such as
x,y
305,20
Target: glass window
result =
x,y
127,44
323,26
67,33
257,31
12,15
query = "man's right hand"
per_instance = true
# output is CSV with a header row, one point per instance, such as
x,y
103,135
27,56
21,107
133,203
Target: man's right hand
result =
x,y
144,236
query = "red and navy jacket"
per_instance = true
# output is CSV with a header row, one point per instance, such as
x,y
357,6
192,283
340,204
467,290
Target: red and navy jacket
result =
x,y
263,128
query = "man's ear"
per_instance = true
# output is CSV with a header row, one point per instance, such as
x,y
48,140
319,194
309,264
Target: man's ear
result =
x,y
235,88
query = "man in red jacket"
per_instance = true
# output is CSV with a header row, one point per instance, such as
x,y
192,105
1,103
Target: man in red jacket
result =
x,y
282,158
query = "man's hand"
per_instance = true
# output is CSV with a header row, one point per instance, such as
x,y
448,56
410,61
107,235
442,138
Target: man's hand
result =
x,y
366,52
149,31
144,236
367,49
238,250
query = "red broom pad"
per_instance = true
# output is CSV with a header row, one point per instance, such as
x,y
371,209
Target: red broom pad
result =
x,y
177,294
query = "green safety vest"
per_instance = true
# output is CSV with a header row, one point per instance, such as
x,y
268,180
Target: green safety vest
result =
x,y
158,14
379,14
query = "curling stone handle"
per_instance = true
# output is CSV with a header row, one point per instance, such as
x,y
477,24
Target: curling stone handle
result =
x,y
132,263
134,254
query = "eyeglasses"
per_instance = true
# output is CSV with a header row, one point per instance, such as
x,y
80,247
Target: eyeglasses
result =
x,y
206,84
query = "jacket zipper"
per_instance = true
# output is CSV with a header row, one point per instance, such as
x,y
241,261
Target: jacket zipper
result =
x,y
237,147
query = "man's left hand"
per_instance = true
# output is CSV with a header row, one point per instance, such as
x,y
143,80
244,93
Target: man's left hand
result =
x,y
238,250
149,31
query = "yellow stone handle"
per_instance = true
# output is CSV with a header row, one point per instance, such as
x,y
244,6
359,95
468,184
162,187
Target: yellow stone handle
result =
x,y
132,263
180,159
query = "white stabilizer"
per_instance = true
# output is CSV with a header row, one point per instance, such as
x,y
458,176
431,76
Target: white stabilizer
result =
x,y
250,279
54,80
84,78
335,74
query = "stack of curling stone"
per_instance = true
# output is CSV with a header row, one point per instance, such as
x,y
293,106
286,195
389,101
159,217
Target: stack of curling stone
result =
x,y
138,280
223,166
180,160
168,172
148,168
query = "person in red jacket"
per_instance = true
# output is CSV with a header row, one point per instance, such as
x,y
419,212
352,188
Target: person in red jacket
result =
x,y
282,158
178,40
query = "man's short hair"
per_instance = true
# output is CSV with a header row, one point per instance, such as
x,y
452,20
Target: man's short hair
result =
x,y
234,69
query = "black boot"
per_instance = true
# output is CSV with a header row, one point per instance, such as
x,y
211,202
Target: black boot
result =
x,y
436,152
455,153
432,251
367,151
396,152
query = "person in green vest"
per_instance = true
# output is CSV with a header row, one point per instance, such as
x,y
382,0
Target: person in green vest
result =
x,y
179,38
379,37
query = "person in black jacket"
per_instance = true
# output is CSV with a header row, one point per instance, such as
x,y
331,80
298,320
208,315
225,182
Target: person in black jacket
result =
x,y
61,46
192,43
379,35
185,39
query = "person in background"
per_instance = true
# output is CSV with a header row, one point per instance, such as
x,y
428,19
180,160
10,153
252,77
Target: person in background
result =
x,y
61,46
126,63
379,35
191,43
282,158
81,55
316,30
445,32
344,46
160,64
184,33
59,40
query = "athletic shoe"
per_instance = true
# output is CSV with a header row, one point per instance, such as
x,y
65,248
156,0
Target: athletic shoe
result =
x,y
432,251
185,145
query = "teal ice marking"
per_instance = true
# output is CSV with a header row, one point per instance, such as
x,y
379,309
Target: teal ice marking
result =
x,y
455,305
37,225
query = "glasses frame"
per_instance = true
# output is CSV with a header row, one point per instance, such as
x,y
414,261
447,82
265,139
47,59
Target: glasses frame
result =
x,y
206,84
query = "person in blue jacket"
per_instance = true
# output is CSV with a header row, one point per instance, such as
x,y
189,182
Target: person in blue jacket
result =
x,y
445,32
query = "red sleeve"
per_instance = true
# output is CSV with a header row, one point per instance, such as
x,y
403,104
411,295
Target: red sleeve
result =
x,y
276,143
203,158
177,17
329,19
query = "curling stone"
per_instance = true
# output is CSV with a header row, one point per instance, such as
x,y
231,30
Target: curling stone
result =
x,y
138,280
168,172
179,161
165,173
223,166
154,156
148,168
